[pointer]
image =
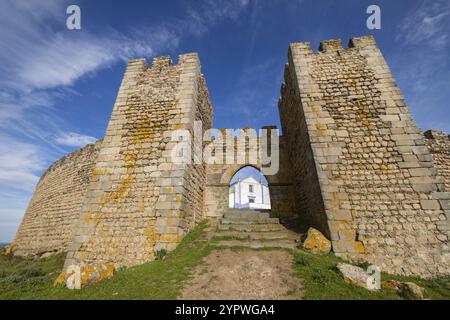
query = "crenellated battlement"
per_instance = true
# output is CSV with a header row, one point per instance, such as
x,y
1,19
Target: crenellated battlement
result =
x,y
438,135
334,45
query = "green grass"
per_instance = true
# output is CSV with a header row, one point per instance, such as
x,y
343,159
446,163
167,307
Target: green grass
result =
x,y
229,238
164,278
160,279
322,281
248,238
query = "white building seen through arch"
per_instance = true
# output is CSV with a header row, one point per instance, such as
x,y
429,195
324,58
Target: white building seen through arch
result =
x,y
249,189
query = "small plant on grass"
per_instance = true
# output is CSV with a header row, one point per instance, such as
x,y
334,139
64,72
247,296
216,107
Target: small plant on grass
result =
x,y
31,273
301,261
160,254
321,277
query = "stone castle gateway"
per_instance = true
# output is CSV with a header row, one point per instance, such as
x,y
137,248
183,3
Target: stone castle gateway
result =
x,y
353,164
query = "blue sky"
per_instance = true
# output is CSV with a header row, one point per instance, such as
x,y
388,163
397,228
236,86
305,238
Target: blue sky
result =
x,y
57,87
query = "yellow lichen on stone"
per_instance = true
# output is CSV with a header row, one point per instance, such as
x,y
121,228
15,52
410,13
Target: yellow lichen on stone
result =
x,y
321,129
90,217
61,279
358,246
316,242
171,238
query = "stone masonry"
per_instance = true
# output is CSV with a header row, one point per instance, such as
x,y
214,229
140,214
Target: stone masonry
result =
x,y
439,145
54,209
138,201
365,176
353,164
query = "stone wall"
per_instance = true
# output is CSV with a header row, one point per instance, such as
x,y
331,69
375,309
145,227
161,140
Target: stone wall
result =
x,y
138,200
307,196
196,173
375,185
55,206
439,145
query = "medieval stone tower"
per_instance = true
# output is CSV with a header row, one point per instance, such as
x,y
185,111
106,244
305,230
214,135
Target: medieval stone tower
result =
x,y
353,164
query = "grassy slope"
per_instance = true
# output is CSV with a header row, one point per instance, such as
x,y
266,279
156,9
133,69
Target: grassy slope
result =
x,y
322,280
163,279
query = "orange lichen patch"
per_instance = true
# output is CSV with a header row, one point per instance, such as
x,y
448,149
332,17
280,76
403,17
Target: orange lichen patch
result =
x,y
149,256
358,246
316,242
314,108
124,186
88,274
321,129
363,115
171,238
99,171
347,234
61,279
390,284
142,131
91,217
92,274
178,126
151,234
130,161
168,189
103,232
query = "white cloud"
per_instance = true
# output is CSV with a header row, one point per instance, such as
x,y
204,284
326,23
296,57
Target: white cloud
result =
x,y
427,23
421,62
73,139
19,164
208,13
41,60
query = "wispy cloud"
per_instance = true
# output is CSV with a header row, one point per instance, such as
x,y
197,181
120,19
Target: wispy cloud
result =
x,y
203,15
422,62
73,139
19,163
426,23
40,62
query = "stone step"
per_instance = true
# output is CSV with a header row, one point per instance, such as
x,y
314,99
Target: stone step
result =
x,y
277,235
246,210
263,227
247,214
250,220
255,244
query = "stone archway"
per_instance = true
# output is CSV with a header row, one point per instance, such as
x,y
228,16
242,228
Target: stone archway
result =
x,y
218,178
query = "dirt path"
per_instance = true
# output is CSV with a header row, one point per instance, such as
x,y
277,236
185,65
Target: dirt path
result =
x,y
242,275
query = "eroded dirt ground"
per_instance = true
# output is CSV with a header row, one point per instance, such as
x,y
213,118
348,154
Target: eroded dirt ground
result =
x,y
244,274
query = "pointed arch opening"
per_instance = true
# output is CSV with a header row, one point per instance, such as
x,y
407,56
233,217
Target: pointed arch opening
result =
x,y
249,189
